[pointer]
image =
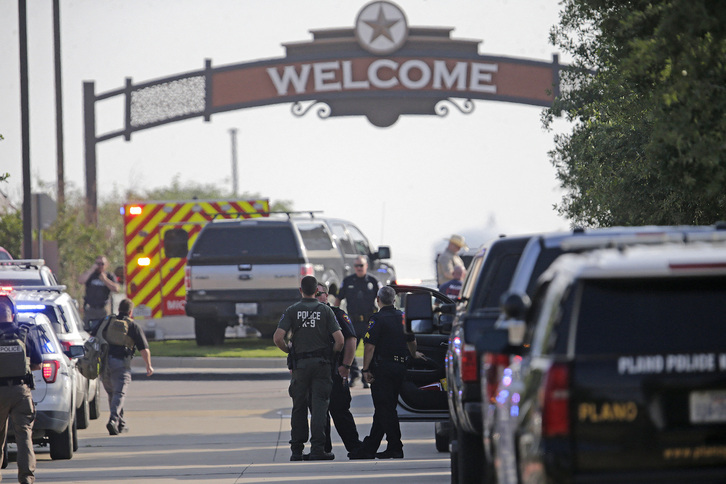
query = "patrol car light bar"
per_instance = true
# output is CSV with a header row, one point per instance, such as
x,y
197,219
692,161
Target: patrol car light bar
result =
x,y
31,307
58,288
23,262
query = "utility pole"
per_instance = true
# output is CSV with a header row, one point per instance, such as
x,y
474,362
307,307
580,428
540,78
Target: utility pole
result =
x,y
25,129
233,132
58,103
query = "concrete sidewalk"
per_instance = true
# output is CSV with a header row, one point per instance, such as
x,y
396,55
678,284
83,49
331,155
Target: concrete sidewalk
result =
x,y
189,368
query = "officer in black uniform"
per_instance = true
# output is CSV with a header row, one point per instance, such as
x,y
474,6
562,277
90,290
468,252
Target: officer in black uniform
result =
x,y
16,399
339,407
312,324
386,349
359,290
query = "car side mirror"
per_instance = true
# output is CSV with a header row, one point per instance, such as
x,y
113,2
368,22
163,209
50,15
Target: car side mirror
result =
x,y
384,252
419,313
75,351
515,306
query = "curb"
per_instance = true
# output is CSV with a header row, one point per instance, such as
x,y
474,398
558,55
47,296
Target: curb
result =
x,y
211,369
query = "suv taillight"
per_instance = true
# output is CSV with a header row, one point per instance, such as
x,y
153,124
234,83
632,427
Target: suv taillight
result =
x,y
555,401
66,345
468,368
306,270
188,279
50,370
493,363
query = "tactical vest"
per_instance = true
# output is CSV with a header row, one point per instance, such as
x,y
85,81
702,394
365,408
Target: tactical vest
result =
x,y
14,360
117,333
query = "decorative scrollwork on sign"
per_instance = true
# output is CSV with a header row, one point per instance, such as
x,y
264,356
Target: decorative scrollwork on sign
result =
x,y
300,110
442,109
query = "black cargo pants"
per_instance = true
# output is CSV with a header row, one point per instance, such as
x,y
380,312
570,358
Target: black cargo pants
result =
x,y
311,383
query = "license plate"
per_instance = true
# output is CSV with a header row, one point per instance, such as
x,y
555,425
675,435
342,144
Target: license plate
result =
x,y
708,406
246,308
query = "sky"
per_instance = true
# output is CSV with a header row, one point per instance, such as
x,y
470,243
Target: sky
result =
x,y
409,186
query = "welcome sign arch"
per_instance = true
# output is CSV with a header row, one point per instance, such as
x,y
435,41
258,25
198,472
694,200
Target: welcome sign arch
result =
x,y
381,68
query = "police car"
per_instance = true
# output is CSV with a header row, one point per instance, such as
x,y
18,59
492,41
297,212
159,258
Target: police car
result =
x,y
54,395
61,310
625,380
26,272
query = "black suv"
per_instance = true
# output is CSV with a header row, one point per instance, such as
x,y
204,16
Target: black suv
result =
x,y
625,381
488,277
249,270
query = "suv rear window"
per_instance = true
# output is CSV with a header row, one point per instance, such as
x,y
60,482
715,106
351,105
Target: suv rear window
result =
x,y
315,236
252,243
637,316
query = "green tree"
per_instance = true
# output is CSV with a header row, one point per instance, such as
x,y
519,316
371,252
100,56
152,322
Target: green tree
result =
x,y
647,100
11,231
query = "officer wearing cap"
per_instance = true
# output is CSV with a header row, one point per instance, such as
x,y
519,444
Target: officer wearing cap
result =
x,y
449,259
359,291
16,400
385,351
312,324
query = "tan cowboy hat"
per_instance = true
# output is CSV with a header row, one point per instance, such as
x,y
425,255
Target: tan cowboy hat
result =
x,y
457,240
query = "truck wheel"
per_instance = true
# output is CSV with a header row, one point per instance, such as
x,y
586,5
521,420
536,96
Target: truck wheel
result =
x,y
61,443
209,332
202,332
470,458
218,328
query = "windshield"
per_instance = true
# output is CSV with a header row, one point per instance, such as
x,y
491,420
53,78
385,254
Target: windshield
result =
x,y
247,243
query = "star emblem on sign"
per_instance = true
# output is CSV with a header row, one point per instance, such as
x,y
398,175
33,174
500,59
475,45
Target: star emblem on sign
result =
x,y
381,28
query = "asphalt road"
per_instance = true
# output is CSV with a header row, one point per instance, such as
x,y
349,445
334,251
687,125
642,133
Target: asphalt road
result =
x,y
233,428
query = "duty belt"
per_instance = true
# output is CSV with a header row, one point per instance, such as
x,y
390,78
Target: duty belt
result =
x,y
324,353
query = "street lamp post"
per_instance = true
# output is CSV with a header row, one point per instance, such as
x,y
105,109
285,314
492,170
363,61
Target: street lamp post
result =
x,y
233,132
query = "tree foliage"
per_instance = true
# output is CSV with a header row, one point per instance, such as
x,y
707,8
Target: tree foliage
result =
x,y
647,100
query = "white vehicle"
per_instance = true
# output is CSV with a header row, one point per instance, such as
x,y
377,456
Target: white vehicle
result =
x,y
54,397
26,272
60,308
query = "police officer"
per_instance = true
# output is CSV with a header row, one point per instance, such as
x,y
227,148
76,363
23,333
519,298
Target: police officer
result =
x,y
359,290
385,351
339,406
312,324
16,400
100,283
116,374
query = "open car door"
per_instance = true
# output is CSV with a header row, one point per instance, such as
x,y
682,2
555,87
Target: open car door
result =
x,y
428,314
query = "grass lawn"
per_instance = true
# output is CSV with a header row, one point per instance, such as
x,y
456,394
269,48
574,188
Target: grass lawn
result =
x,y
232,348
